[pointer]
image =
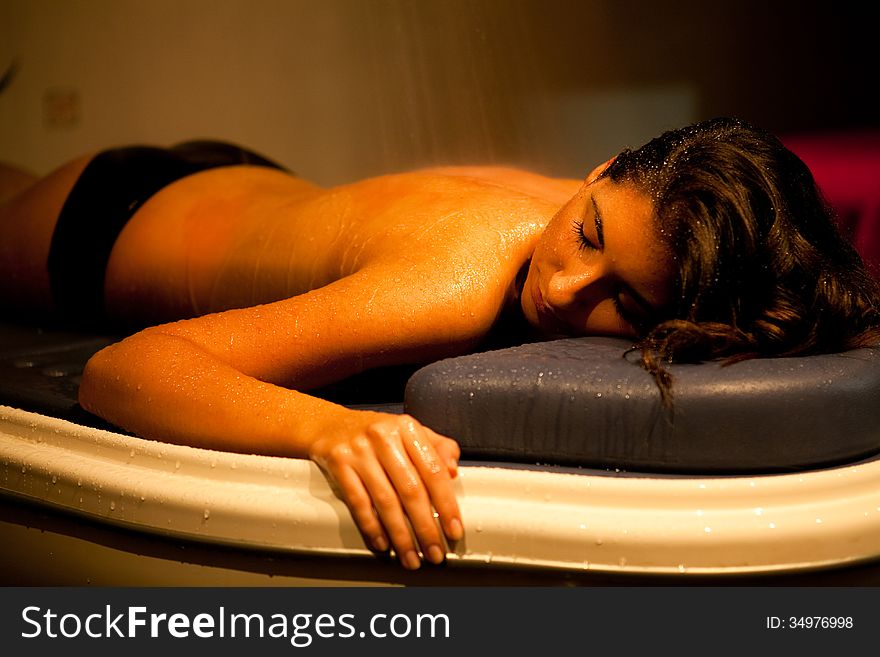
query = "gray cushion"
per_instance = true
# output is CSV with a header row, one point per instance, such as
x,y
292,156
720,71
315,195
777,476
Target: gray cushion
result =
x,y
580,402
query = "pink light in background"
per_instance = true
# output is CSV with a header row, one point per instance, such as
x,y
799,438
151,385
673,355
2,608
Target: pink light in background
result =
x,y
847,169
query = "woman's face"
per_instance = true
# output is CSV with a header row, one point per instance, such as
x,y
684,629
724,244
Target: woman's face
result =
x,y
599,268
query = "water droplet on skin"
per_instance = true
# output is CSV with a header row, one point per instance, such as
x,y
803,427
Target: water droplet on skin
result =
x,y
772,525
622,561
599,541
708,530
207,514
54,479
681,568
112,505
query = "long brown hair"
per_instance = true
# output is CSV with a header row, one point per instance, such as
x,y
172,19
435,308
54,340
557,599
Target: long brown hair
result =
x,y
762,269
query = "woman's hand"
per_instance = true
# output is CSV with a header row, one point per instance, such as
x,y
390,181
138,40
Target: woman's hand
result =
x,y
393,472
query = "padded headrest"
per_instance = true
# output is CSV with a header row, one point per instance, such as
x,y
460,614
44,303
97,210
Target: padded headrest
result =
x,y
581,402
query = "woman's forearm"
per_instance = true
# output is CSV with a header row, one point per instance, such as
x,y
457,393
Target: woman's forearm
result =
x,y
168,388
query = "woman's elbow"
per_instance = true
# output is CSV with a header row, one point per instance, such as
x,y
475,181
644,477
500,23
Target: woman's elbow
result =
x,y
111,373
94,388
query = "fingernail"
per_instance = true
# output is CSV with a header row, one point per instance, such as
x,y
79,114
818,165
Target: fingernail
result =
x,y
380,543
411,560
435,554
455,529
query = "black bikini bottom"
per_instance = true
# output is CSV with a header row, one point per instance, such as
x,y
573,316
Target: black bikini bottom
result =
x,y
112,187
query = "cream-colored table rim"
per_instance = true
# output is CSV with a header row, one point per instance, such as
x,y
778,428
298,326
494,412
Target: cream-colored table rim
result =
x,y
514,517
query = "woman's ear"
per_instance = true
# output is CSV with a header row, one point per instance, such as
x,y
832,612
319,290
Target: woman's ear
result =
x,y
599,170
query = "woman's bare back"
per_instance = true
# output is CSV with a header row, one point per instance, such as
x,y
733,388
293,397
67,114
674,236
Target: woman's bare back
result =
x,y
240,236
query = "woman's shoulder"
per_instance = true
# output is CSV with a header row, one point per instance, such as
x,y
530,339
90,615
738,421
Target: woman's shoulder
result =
x,y
444,210
511,178
455,198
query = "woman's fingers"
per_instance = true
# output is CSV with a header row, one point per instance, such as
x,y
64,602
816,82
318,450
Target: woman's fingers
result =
x,y
432,456
361,481
393,444
360,504
386,500
392,475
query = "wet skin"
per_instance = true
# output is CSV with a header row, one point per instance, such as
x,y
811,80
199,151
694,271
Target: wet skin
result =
x,y
289,287
599,268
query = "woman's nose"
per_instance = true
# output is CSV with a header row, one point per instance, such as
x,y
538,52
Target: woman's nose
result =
x,y
566,289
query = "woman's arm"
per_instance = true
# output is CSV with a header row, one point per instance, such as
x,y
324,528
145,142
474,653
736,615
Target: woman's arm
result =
x,y
216,382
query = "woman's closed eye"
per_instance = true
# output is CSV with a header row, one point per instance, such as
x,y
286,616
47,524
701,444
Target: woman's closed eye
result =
x,y
632,312
579,228
584,242
625,316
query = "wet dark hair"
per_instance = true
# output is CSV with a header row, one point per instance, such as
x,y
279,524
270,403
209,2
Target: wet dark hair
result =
x,y
762,269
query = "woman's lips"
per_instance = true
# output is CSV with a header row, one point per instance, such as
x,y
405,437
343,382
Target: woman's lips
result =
x,y
538,300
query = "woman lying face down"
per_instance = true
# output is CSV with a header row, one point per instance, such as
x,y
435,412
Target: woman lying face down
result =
x,y
709,242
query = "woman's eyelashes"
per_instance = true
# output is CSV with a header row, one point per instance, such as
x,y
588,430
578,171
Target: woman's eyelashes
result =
x,y
624,315
637,319
584,242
